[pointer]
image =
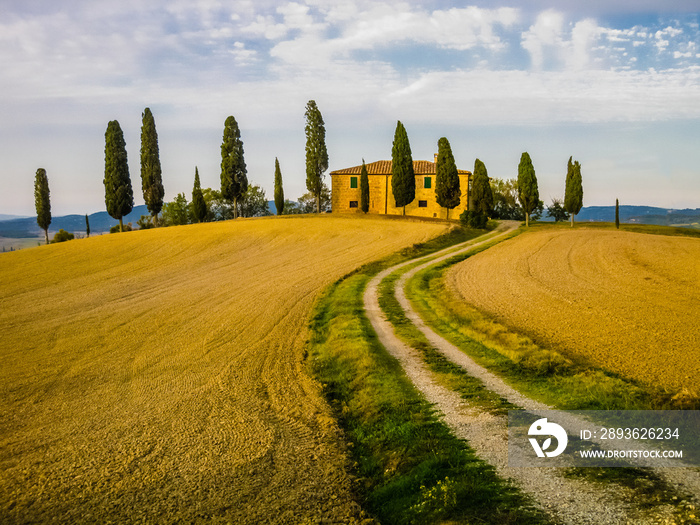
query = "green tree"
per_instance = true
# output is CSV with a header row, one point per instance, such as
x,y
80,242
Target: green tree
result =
x,y
403,178
447,190
617,214
199,205
556,211
42,201
482,195
364,188
176,213
145,222
87,225
316,152
505,200
528,193
151,175
234,175
308,203
279,189
119,196
62,236
254,203
573,196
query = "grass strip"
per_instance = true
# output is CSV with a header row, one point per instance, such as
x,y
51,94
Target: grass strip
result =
x,y
409,467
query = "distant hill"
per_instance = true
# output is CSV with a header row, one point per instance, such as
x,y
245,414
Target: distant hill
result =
x,y
5,217
641,215
100,222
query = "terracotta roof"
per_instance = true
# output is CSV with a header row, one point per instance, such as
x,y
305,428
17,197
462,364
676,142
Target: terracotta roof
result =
x,y
383,167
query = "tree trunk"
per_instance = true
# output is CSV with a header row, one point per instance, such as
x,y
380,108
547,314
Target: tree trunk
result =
x,y
121,225
527,220
318,202
448,214
154,220
572,220
46,234
404,210
235,207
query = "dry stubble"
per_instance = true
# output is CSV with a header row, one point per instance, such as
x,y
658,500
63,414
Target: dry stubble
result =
x,y
628,302
159,375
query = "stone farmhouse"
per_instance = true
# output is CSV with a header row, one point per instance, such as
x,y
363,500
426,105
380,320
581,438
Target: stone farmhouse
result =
x,y
345,190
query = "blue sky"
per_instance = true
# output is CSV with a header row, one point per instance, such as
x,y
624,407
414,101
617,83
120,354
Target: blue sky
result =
x,y
616,86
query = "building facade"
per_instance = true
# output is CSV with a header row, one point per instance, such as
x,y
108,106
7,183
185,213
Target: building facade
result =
x,y
345,191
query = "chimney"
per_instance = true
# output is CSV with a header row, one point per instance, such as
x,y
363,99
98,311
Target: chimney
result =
x,y
435,161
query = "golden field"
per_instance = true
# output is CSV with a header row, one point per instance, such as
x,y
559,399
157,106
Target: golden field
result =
x,y
159,375
627,302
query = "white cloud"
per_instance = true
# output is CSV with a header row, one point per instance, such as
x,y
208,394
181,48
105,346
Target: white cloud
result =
x,y
546,33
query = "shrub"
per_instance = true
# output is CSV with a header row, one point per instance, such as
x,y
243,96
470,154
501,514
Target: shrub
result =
x,y
115,228
144,223
473,219
62,236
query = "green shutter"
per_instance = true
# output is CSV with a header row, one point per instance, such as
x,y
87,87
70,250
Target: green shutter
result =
x,y
353,182
426,182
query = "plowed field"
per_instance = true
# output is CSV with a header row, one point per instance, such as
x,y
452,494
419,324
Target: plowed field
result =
x,y
158,376
628,302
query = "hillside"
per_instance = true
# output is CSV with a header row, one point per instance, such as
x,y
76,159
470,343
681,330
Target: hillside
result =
x,y
160,374
623,301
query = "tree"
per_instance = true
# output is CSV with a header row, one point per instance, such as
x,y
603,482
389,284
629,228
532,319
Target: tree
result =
x,y
175,213
87,225
556,211
151,175
308,203
316,152
505,200
528,193
253,203
199,205
42,201
403,179
119,196
279,189
617,214
447,190
482,196
234,178
573,196
364,188
62,236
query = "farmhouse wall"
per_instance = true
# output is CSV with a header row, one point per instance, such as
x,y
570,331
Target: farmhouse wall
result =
x,y
346,199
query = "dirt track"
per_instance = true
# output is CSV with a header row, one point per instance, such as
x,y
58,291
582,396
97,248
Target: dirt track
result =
x,y
158,376
625,301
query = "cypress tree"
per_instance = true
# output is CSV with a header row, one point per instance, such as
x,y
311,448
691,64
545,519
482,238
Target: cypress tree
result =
x,y
199,205
87,225
42,201
151,175
119,196
617,214
528,193
573,196
364,188
279,189
481,190
316,152
234,175
403,178
447,190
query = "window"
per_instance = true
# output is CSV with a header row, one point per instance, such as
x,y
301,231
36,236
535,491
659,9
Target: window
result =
x,y
353,183
427,182
353,204
422,204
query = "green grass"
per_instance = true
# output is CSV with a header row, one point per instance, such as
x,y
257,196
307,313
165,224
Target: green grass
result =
x,y
409,467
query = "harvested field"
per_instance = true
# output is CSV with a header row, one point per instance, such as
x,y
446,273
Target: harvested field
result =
x,y
627,302
159,376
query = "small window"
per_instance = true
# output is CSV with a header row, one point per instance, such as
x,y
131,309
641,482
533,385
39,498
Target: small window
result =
x,y
422,204
353,204
353,183
427,183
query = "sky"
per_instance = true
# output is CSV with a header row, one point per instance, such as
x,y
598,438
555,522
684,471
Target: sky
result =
x,y
616,85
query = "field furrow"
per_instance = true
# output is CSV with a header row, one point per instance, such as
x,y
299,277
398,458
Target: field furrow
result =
x,y
159,375
627,302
